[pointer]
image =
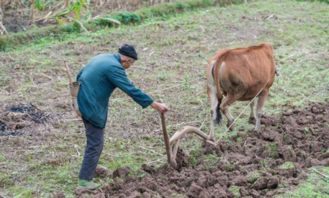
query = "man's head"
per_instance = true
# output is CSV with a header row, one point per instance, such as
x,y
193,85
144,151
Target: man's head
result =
x,y
128,55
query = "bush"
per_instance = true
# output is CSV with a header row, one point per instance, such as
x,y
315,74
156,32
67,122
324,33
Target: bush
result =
x,y
127,17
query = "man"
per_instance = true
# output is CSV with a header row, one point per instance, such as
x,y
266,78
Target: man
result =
x,y
97,80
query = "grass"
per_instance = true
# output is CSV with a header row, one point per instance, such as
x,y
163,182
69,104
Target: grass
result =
x,y
253,176
173,55
287,165
235,190
314,186
272,150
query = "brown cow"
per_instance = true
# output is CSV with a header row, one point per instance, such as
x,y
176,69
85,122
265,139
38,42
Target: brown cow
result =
x,y
239,74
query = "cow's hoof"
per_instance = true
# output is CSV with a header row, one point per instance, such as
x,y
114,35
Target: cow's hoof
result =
x,y
252,120
257,129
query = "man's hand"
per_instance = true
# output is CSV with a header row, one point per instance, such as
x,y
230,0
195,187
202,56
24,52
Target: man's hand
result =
x,y
160,107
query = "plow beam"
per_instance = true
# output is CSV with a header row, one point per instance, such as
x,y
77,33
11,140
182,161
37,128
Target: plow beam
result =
x,y
178,135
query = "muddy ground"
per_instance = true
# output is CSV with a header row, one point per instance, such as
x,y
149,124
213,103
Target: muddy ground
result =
x,y
254,164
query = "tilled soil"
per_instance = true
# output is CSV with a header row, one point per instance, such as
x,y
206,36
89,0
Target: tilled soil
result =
x,y
254,164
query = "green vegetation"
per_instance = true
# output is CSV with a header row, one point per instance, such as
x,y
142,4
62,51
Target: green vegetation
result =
x,y
235,190
287,165
211,161
253,176
162,11
272,150
314,186
324,1
194,156
39,4
2,158
5,180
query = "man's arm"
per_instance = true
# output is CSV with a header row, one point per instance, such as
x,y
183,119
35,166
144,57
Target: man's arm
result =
x,y
119,78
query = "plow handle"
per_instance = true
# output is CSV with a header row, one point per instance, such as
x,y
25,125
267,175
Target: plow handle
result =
x,y
165,137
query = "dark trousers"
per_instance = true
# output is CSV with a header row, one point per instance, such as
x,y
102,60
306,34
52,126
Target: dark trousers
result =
x,y
93,150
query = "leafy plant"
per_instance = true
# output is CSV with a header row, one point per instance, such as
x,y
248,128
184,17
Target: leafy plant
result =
x,y
127,18
39,5
76,7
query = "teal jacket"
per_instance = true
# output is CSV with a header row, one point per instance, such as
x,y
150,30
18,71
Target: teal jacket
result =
x,y
98,79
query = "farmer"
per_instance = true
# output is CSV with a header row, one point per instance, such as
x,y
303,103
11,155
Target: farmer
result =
x,y
97,80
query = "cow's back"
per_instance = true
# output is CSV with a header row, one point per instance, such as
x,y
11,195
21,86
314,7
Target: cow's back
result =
x,y
245,71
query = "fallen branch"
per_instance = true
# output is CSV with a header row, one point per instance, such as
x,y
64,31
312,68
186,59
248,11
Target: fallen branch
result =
x,y
45,18
107,19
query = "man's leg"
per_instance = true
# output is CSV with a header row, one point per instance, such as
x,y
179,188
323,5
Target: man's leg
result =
x,y
93,150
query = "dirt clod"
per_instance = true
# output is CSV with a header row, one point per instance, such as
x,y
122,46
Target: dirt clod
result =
x,y
260,184
121,172
101,172
272,182
148,169
194,190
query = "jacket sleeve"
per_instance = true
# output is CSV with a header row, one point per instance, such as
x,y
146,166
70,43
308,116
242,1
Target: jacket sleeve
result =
x,y
119,78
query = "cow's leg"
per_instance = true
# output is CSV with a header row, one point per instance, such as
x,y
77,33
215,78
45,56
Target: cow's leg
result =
x,y
260,103
252,112
227,101
212,92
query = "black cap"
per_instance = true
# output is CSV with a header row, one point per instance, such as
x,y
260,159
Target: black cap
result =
x,y
128,50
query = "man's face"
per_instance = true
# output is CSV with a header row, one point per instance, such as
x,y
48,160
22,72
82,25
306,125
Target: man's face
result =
x,y
127,62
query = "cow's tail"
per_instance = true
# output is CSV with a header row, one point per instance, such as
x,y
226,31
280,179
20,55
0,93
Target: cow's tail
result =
x,y
214,91
218,92
218,113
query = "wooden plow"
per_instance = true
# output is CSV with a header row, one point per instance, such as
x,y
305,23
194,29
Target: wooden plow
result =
x,y
172,144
